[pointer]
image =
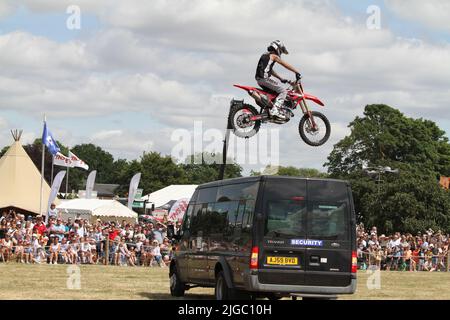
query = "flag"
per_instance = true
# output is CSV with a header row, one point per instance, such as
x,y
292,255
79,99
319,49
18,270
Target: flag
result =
x,y
90,184
61,160
134,184
55,187
49,142
77,162
178,210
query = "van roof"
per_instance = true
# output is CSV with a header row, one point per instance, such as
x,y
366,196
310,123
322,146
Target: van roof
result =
x,y
261,178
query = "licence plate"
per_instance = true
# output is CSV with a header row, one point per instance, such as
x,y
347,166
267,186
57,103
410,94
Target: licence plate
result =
x,y
282,261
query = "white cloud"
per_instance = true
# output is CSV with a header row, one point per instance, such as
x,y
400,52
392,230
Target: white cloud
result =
x,y
5,9
3,123
177,63
432,13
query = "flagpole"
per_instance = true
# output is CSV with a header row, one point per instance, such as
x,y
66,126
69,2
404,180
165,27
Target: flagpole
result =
x,y
67,179
67,182
42,170
53,163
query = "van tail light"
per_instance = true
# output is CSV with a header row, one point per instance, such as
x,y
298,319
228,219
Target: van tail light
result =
x,y
254,258
354,262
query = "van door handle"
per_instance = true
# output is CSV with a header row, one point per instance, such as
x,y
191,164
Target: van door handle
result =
x,y
314,261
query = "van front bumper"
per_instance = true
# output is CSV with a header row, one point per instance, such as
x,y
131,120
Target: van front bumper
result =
x,y
254,285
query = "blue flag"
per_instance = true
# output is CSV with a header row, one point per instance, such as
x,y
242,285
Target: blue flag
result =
x,y
48,140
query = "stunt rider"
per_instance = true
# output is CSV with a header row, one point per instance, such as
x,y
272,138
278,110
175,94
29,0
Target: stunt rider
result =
x,y
267,78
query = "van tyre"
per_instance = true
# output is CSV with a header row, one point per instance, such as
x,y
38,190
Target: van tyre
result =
x,y
222,291
177,287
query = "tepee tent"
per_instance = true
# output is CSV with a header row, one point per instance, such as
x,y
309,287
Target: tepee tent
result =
x,y
20,180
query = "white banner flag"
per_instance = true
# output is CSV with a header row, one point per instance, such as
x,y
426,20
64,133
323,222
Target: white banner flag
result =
x,y
55,187
77,162
90,184
61,160
134,184
178,210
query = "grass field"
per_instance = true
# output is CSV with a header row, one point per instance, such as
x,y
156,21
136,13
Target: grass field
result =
x,y
109,282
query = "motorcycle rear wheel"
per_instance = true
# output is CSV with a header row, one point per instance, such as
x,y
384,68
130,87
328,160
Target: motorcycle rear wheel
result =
x,y
239,120
307,132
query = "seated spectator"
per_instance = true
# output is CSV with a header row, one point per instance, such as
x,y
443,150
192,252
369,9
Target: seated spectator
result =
x,y
40,256
125,255
6,246
85,251
28,250
64,251
146,253
19,252
54,250
165,251
74,250
156,254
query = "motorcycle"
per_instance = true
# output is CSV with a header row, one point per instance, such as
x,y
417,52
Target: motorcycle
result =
x,y
245,120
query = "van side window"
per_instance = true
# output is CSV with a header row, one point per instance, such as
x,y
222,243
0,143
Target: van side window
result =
x,y
247,223
207,195
239,191
195,220
227,211
217,221
247,218
188,217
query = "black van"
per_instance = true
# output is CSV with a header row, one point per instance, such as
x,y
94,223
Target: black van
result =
x,y
268,236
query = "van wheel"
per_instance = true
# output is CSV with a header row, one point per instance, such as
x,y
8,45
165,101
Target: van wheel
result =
x,y
177,287
222,291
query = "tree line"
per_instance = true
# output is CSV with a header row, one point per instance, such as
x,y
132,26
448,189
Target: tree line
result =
x,y
409,201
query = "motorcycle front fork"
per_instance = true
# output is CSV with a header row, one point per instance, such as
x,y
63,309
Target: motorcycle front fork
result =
x,y
305,110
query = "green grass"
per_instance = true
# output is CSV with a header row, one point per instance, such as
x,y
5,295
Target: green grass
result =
x,y
109,282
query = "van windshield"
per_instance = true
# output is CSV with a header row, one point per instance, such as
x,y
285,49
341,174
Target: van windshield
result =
x,y
285,219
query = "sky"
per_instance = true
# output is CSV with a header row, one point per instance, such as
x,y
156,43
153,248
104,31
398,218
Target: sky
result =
x,y
136,72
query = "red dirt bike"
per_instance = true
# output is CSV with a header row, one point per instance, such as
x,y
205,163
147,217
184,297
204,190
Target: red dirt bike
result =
x,y
245,120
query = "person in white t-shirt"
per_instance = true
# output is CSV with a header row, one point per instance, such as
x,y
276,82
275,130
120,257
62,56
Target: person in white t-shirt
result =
x,y
86,254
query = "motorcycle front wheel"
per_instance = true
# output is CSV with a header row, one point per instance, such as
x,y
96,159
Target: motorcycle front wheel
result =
x,y
318,135
241,123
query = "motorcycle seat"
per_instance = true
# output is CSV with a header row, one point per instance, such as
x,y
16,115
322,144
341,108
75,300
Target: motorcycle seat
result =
x,y
265,89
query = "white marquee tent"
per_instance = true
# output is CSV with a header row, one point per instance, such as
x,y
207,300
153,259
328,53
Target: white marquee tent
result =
x,y
92,209
167,194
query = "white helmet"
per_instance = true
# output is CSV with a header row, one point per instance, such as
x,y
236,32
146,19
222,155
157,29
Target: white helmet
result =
x,y
278,46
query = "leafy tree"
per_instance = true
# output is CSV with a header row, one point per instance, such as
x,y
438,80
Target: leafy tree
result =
x,y
159,172
410,201
292,172
202,169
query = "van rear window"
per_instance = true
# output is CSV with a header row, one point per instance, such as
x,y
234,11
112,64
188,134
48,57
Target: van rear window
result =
x,y
285,219
328,221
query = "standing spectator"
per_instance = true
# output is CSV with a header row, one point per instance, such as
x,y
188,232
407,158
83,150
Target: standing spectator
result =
x,y
52,212
39,228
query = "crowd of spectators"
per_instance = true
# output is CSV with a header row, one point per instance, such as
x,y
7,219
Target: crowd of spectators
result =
x,y
427,251
52,240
